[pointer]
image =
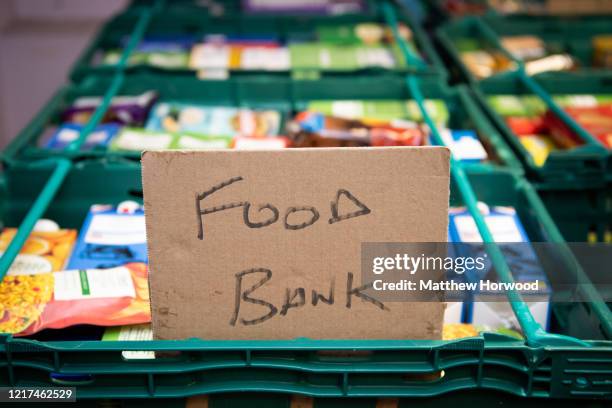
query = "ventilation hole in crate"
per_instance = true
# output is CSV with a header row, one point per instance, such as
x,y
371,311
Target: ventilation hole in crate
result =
x,y
424,377
71,379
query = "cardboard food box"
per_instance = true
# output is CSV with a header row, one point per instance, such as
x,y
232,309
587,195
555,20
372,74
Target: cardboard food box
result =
x,y
267,244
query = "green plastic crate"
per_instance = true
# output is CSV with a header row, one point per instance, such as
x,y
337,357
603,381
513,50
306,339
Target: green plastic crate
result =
x,y
563,369
568,35
583,166
157,19
283,94
582,216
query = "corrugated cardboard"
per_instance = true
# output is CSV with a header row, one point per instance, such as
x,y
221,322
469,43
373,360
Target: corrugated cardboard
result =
x,y
252,244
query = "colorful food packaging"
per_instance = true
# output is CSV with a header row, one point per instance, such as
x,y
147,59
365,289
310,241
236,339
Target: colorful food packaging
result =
x,y
69,132
464,144
222,53
382,110
521,125
489,308
161,51
159,59
134,332
602,51
555,62
524,47
454,331
110,237
213,121
513,105
137,139
125,110
313,129
102,297
538,146
46,249
269,143
560,132
28,285
332,57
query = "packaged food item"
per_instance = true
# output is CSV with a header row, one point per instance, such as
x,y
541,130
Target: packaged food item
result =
x,y
103,297
555,62
538,146
269,143
221,52
161,51
313,129
110,237
137,139
524,47
454,331
602,50
480,63
226,122
515,105
69,132
125,110
488,306
332,57
382,110
464,144
39,292
522,125
134,332
28,284
560,132
46,249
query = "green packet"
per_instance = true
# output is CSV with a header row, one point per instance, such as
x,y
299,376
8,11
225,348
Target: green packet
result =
x,y
582,100
135,332
138,139
514,105
330,57
382,109
159,59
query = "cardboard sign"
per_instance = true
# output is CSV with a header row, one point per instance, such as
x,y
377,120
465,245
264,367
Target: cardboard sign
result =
x,y
266,244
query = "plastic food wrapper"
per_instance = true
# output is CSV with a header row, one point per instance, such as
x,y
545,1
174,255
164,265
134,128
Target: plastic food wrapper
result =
x,y
454,331
524,47
127,110
602,51
560,132
134,332
69,132
485,308
334,57
160,59
382,110
251,143
464,144
313,129
28,283
161,51
213,121
240,54
102,297
137,139
513,105
110,237
539,147
526,125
